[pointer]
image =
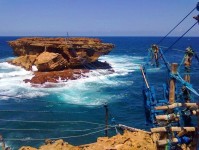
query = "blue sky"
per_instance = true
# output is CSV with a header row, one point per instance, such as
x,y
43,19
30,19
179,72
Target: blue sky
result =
x,y
95,17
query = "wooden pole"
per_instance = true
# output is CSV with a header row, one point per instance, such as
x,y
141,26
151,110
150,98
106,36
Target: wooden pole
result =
x,y
144,76
166,141
195,112
106,119
188,129
173,129
168,117
174,105
174,68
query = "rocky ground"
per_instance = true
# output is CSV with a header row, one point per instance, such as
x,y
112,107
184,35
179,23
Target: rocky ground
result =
x,y
127,141
137,140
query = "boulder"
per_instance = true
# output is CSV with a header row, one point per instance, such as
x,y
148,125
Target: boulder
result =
x,y
47,61
76,51
127,141
26,61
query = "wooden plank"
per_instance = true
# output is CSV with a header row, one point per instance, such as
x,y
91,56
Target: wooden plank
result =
x,y
167,107
166,141
174,105
173,129
167,117
159,129
178,129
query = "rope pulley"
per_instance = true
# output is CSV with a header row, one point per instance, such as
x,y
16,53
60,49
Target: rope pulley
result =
x,y
196,17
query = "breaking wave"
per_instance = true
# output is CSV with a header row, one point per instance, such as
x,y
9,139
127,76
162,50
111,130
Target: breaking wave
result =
x,y
84,91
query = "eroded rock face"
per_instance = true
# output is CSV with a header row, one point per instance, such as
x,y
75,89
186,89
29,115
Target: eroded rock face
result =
x,y
75,51
47,61
53,58
57,76
25,62
127,141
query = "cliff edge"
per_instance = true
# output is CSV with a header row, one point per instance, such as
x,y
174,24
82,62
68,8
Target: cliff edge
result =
x,y
128,141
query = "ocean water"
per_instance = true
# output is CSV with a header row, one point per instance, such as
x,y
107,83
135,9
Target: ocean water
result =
x,y
74,110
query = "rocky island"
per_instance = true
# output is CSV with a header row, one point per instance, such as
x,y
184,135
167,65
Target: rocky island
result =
x,y
58,58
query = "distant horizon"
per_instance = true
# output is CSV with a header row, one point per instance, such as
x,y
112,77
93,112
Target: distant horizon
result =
x,y
96,18
94,36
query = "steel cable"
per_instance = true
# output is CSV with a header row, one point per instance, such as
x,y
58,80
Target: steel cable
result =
x,y
176,26
75,136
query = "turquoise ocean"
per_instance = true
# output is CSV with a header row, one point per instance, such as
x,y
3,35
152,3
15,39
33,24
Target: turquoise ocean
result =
x,y
74,110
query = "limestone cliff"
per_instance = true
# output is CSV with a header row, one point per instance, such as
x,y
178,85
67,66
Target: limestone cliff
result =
x,y
57,53
53,58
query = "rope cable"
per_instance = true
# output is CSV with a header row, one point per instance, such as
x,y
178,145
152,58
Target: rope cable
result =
x,y
50,122
161,56
75,136
175,49
34,111
176,26
57,130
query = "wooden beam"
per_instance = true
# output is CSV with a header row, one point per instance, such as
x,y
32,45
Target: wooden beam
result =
x,y
174,69
144,76
195,112
166,141
178,129
167,117
174,105
173,129
159,129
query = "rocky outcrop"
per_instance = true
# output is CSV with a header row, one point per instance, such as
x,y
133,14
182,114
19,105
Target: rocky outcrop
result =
x,y
127,141
53,58
47,61
24,61
57,76
58,53
137,140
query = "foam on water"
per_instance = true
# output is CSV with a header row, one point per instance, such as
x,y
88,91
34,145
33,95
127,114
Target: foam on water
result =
x,y
12,84
124,64
84,91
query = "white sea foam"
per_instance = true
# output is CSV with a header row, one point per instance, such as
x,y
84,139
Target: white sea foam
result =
x,y
12,84
122,65
84,91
